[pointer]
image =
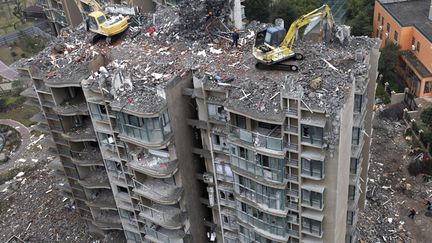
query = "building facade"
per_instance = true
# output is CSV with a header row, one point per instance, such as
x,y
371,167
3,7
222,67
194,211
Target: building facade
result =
x,y
408,24
61,13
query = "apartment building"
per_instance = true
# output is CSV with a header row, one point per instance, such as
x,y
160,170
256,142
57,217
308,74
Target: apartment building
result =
x,y
274,178
61,13
408,24
167,144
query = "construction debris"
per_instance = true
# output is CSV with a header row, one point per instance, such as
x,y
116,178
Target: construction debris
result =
x,y
392,192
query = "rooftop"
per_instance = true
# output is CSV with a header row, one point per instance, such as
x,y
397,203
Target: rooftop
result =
x,y
142,65
415,13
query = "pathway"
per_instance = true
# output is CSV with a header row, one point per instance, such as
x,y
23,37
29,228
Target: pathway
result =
x,y
25,141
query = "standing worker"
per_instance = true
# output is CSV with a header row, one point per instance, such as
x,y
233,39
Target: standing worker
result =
x,y
412,213
235,37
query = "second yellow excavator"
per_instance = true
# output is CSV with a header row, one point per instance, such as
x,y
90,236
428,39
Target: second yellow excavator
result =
x,y
274,46
98,23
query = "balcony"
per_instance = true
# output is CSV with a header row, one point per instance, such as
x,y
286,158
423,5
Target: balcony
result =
x,y
72,107
154,166
87,157
102,199
29,93
293,162
158,191
71,77
42,128
161,235
257,140
96,179
255,171
32,102
165,216
107,220
80,133
270,231
272,205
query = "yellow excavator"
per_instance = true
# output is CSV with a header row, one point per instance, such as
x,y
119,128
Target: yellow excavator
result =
x,y
97,22
273,47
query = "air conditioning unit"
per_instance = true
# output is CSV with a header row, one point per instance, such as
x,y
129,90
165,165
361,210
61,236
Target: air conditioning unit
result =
x,y
207,178
380,28
387,35
413,47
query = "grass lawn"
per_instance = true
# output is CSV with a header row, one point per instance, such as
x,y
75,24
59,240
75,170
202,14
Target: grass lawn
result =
x,y
22,113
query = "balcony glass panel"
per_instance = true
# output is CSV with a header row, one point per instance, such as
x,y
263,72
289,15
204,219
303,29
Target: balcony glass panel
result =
x,y
269,223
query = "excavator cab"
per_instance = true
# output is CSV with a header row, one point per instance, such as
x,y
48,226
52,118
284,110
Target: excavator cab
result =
x,y
269,37
95,20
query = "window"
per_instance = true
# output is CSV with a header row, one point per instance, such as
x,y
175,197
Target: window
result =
x,y
358,102
418,46
98,111
356,135
388,27
396,35
413,41
312,199
313,168
377,32
243,153
313,135
382,20
312,226
271,197
354,165
350,217
122,189
379,17
241,121
351,192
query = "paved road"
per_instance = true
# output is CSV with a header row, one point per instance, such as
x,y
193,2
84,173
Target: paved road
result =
x,y
25,141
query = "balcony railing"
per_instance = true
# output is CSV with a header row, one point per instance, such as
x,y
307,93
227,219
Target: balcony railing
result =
x,y
165,216
158,191
142,135
268,227
155,166
256,139
293,162
292,206
254,168
76,106
87,156
79,133
96,179
163,235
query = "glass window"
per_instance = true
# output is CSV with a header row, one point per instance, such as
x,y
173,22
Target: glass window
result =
x,y
428,87
350,217
382,20
418,46
379,16
353,165
351,192
388,27
356,135
313,168
313,199
313,135
358,102
241,121
396,36
311,225
413,41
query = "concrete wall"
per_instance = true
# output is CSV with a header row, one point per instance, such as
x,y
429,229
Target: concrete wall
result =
x,y
73,15
374,55
180,110
337,178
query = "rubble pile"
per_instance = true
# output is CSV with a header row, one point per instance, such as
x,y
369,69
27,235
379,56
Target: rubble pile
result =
x,y
391,192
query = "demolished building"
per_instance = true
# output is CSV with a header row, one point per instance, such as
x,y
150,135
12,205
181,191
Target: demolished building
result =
x,y
174,136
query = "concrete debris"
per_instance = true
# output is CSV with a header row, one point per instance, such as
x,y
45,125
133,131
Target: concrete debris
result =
x,y
193,36
391,192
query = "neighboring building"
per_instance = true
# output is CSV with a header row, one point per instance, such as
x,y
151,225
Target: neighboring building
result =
x,y
408,24
61,13
167,145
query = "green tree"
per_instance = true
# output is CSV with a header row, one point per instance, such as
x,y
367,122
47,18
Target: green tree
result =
x,y
359,16
426,116
387,62
257,10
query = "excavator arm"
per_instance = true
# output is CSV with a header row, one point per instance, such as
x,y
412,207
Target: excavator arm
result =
x,y
88,6
322,13
274,46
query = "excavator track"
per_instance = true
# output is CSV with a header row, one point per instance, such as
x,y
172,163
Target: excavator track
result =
x,y
281,66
